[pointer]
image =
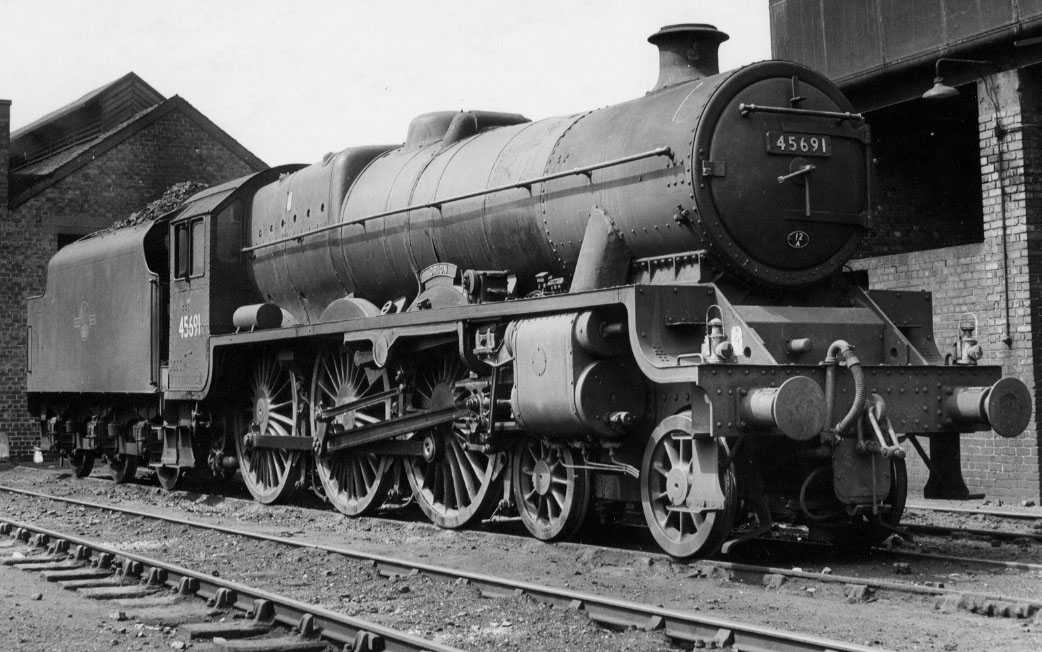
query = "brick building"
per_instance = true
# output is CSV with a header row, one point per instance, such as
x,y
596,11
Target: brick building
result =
x,y
958,177
79,169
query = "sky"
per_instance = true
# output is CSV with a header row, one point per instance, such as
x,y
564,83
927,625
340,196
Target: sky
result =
x,y
294,80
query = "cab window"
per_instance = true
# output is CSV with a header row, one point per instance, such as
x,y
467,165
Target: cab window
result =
x,y
189,245
197,248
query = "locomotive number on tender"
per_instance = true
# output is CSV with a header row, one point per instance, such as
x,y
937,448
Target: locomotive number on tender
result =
x,y
780,142
190,326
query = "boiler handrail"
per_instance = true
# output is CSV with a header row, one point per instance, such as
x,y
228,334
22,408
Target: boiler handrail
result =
x,y
526,184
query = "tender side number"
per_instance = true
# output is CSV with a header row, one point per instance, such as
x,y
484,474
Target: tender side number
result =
x,y
190,326
779,142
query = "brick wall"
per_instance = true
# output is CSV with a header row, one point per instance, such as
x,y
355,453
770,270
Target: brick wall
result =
x,y
969,278
118,181
5,141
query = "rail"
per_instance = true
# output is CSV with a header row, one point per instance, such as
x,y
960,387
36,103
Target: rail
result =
x,y
998,535
527,184
333,626
694,628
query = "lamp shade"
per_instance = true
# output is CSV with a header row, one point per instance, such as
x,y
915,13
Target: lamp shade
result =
x,y
940,90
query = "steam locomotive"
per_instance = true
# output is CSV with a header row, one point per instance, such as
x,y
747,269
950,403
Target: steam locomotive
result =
x,y
639,311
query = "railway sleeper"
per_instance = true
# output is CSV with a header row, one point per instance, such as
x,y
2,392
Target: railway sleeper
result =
x,y
141,592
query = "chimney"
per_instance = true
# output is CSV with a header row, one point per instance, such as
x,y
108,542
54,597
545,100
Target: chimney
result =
x,y
686,52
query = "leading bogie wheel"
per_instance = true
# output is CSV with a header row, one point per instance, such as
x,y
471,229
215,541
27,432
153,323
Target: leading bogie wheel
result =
x,y
271,474
674,462
552,495
354,482
452,483
82,462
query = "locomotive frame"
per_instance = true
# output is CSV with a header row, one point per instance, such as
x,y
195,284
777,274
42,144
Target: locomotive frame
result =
x,y
652,353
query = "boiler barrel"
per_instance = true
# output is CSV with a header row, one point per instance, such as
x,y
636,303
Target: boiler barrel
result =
x,y
721,188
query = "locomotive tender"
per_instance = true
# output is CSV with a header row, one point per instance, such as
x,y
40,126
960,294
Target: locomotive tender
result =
x,y
640,305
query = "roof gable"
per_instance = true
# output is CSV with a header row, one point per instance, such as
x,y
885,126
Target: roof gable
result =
x,y
82,120
34,178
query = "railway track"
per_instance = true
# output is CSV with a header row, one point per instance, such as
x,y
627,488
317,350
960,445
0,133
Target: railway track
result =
x,y
105,572
646,551
974,511
929,530
981,533
856,588
685,627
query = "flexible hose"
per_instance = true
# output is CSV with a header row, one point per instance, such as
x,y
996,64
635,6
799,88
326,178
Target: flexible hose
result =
x,y
842,350
811,477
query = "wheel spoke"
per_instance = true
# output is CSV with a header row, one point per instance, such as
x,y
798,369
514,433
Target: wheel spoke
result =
x,y
671,452
446,485
461,490
282,418
558,500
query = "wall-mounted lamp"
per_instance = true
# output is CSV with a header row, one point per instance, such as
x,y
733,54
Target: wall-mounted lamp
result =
x,y
940,90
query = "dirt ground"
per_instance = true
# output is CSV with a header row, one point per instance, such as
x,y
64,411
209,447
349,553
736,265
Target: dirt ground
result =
x,y
39,616
893,621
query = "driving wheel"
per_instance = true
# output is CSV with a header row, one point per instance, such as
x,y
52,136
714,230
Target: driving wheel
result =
x,y
452,483
271,474
355,482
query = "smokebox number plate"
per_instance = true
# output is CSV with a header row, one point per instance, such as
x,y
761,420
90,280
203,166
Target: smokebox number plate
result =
x,y
783,142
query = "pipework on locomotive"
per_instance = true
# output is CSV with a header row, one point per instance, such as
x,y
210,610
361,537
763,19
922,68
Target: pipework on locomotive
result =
x,y
639,311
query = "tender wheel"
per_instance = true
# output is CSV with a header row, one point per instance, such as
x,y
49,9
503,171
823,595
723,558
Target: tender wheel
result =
x,y
123,467
457,485
354,482
169,477
82,463
669,494
551,495
271,474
